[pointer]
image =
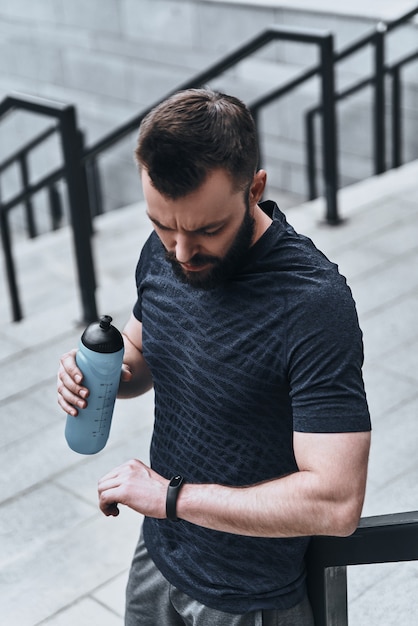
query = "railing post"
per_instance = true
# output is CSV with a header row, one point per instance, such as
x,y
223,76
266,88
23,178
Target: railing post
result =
x,y
396,118
256,117
94,187
85,182
327,589
329,130
379,100
79,210
336,605
30,220
10,266
310,154
55,207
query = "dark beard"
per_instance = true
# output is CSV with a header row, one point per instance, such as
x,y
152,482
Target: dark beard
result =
x,y
222,268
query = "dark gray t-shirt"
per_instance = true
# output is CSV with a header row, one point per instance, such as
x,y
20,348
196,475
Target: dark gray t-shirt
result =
x,y
236,370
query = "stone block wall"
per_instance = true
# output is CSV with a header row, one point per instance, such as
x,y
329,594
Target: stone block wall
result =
x,y
112,58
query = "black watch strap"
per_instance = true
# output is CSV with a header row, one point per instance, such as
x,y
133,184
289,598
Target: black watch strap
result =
x,y
173,491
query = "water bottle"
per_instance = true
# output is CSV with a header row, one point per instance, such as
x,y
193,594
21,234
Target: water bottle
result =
x,y
99,357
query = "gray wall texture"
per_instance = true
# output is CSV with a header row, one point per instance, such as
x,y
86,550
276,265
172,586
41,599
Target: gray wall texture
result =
x,y
112,58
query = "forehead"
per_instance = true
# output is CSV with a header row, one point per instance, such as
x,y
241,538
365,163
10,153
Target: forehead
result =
x,y
216,200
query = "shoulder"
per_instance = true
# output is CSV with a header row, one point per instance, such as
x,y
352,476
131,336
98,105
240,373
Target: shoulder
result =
x,y
151,251
303,273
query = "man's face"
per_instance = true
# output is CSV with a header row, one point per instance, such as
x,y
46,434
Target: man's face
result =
x,y
207,233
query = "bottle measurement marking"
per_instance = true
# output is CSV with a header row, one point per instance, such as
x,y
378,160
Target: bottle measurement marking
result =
x,y
105,409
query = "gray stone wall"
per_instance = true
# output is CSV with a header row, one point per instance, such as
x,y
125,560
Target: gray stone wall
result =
x,y
112,58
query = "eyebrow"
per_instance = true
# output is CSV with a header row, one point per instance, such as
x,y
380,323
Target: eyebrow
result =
x,y
212,225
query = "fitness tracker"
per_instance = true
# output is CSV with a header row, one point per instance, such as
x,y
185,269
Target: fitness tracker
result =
x,y
173,491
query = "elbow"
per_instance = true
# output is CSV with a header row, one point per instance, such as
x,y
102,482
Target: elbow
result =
x,y
345,519
347,528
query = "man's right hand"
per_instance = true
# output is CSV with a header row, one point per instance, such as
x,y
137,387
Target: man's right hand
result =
x,y
71,394
135,377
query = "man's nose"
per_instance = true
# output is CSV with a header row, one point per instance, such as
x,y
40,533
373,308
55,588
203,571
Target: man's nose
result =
x,y
186,248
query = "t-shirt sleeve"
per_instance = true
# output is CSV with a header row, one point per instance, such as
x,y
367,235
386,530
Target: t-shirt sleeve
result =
x,y
140,273
325,358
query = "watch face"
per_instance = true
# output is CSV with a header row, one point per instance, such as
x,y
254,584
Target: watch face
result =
x,y
176,481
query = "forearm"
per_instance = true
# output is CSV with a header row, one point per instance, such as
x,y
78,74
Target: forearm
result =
x,y
295,505
324,498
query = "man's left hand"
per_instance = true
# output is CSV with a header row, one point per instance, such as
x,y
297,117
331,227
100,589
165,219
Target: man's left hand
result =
x,y
136,486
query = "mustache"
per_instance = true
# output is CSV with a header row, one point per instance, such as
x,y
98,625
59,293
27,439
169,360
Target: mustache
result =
x,y
197,260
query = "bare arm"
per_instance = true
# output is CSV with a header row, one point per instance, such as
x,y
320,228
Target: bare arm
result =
x,y
324,497
135,375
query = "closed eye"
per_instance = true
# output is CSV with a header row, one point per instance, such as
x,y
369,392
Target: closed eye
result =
x,y
209,233
158,224
161,227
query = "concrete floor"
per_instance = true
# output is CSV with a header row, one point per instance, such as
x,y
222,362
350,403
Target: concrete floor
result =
x,y
61,561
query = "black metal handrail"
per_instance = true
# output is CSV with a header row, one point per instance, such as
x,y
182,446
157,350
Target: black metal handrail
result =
x,y
321,38
377,80
403,19
329,129
376,39
324,41
325,70
74,173
394,70
33,143
380,539
20,157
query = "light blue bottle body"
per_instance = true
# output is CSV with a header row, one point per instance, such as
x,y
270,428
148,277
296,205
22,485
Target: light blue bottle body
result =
x,y
89,431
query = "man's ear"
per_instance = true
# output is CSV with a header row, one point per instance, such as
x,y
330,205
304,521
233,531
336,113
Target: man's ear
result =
x,y
257,187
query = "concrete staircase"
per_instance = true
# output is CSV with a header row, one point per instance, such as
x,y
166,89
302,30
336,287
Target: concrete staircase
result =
x,y
112,63
62,562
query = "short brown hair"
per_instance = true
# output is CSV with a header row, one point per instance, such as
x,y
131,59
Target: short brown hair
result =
x,y
192,133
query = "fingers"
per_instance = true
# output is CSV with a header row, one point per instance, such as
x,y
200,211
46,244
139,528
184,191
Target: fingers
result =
x,y
109,493
110,510
126,374
135,485
108,497
71,394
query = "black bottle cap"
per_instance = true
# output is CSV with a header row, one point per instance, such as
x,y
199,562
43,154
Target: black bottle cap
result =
x,y
102,337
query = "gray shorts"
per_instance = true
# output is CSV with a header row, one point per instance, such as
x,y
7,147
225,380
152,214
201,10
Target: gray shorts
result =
x,y
152,601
